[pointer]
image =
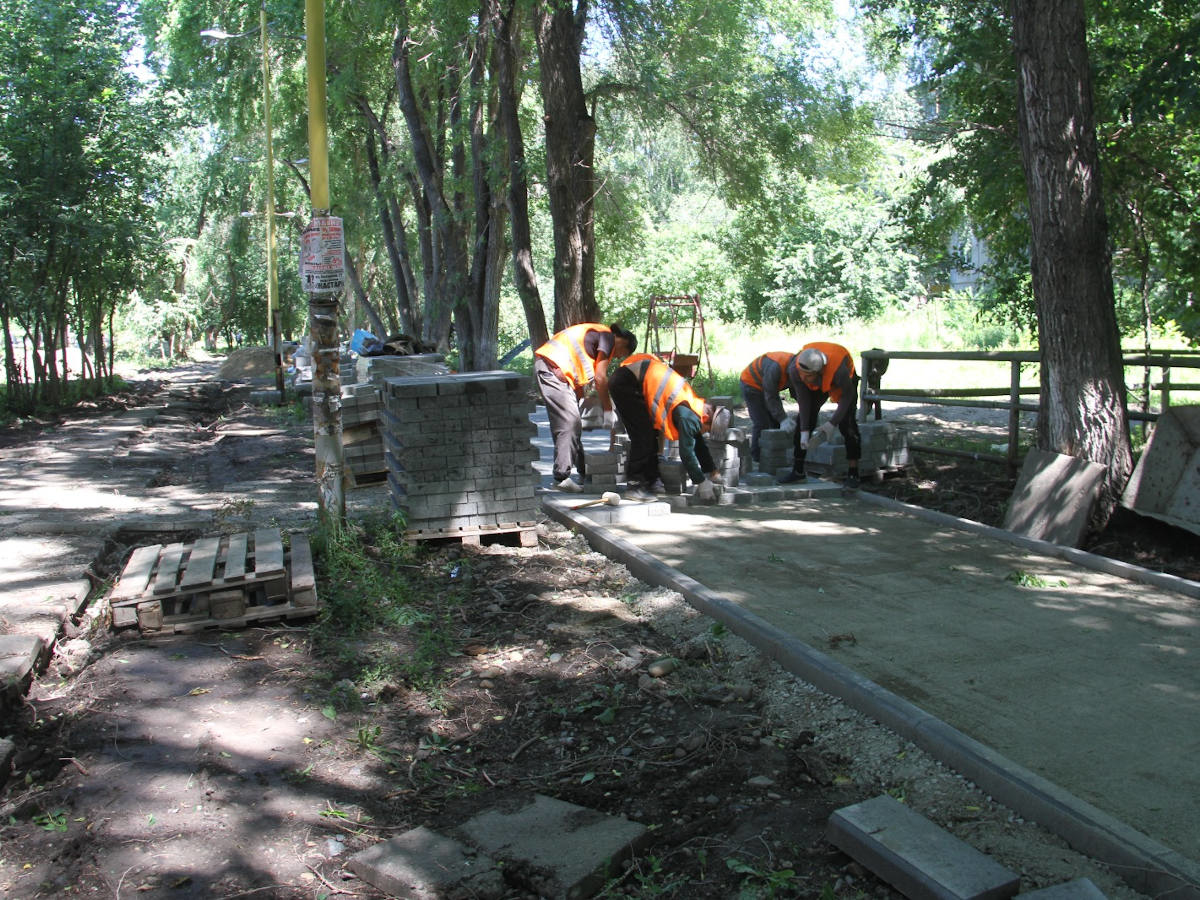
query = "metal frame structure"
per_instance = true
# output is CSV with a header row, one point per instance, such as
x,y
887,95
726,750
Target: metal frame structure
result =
x,y
682,316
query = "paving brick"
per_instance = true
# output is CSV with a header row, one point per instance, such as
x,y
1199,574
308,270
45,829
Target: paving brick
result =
x,y
578,846
915,856
1079,889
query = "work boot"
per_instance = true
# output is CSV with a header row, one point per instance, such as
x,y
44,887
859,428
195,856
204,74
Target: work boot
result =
x,y
794,477
851,483
658,487
569,486
637,492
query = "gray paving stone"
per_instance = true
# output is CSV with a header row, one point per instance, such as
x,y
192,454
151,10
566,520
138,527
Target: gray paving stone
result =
x,y
424,865
1079,889
578,846
915,856
1166,482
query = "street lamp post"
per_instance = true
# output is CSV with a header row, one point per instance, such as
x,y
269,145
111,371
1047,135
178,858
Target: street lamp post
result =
x,y
272,268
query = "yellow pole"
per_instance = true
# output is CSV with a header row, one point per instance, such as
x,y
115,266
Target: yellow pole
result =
x,y
272,262
323,303
318,145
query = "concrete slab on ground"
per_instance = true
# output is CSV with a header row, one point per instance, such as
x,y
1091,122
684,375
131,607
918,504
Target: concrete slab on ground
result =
x,y
1166,482
915,856
1053,497
424,865
579,846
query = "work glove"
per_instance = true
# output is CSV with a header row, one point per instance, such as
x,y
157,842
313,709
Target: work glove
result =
x,y
804,436
706,491
717,478
610,419
788,425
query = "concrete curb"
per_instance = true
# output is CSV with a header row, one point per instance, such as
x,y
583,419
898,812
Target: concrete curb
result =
x,y
1145,864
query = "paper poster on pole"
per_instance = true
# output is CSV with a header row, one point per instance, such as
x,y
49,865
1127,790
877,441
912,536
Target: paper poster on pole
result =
x,y
322,247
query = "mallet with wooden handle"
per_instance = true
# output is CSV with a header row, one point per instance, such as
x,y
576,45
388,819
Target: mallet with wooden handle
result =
x,y
608,498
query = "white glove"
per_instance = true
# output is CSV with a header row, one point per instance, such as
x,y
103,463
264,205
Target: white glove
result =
x,y
717,478
610,419
804,436
705,491
788,425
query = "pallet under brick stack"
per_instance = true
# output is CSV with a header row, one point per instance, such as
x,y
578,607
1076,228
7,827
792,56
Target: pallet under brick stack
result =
x,y
460,457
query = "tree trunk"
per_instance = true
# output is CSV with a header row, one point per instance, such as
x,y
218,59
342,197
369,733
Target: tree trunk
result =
x,y
524,274
1083,387
570,146
403,298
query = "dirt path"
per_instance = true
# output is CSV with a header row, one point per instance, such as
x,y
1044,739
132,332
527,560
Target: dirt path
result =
x,y
254,763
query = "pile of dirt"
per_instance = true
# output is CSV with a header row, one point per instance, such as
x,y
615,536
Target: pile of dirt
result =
x,y
247,362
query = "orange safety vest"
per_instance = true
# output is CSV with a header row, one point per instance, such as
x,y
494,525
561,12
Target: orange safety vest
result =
x,y
752,374
664,389
834,354
565,350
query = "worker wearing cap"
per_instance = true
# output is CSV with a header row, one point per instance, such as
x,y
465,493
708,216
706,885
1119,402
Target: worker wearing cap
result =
x,y
822,371
762,381
653,398
564,367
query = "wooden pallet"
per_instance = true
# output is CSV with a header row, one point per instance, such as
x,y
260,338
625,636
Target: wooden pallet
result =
x,y
511,535
224,581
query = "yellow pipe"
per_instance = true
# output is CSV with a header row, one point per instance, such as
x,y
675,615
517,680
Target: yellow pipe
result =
x,y
272,267
318,147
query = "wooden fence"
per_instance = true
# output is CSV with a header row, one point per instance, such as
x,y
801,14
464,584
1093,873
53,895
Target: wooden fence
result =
x,y
875,364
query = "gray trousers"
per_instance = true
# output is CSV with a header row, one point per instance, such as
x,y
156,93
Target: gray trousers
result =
x,y
562,408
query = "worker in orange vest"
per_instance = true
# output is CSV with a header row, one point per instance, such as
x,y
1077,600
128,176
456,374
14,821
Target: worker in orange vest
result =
x,y
565,367
653,398
762,381
822,371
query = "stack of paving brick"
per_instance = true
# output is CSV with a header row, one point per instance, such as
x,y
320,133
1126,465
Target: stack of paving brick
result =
x,y
775,451
884,448
376,369
362,443
606,467
459,454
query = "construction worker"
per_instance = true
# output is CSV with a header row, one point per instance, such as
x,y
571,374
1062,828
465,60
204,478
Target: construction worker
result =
x,y
565,366
653,398
822,371
762,381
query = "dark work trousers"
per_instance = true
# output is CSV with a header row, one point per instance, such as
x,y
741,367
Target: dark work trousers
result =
x,y
848,428
566,428
641,467
760,416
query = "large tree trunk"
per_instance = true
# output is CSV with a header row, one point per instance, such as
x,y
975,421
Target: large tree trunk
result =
x,y
524,274
570,146
1083,384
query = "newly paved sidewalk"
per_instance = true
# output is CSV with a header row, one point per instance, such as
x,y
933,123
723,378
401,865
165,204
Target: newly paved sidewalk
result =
x,y
1065,685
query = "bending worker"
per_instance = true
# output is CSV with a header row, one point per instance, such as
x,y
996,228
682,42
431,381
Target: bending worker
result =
x,y
651,397
565,366
762,381
820,372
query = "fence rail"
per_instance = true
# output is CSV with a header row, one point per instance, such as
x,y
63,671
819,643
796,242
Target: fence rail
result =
x,y
875,364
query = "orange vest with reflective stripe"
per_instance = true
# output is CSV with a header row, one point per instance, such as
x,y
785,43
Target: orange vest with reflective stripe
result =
x,y
565,350
752,374
664,389
834,354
